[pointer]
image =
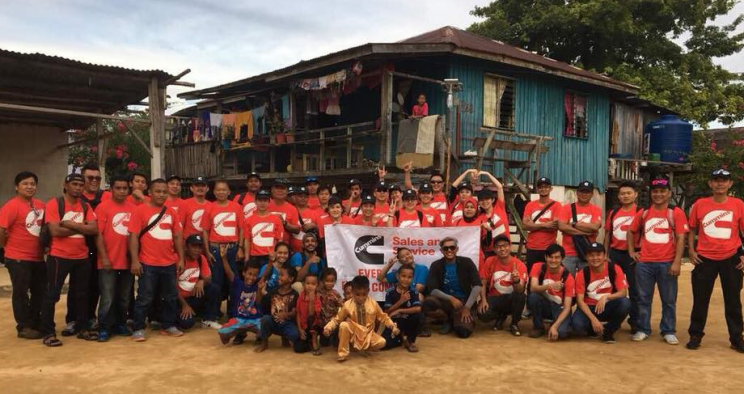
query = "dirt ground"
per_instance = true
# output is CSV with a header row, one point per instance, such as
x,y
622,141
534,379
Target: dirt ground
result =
x,y
487,362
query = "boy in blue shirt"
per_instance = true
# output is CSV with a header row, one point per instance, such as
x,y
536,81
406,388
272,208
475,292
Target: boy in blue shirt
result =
x,y
246,293
403,305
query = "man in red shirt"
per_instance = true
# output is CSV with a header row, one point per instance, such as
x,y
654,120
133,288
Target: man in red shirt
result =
x,y
504,280
281,207
382,201
307,216
410,216
435,186
247,200
616,226
262,230
138,186
717,220
541,220
21,219
156,249
312,185
174,193
191,211
552,290
92,192
367,216
352,205
662,231
115,279
195,289
426,199
601,292
580,220
69,220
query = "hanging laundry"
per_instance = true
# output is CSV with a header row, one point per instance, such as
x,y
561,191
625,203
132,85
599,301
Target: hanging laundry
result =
x,y
357,68
215,121
259,123
323,105
244,126
333,106
323,82
193,126
205,124
228,126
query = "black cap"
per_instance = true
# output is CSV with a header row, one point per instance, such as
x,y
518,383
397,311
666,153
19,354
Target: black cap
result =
x,y
253,174
367,199
300,190
172,177
382,186
280,182
200,180
485,194
395,186
291,190
660,183
464,185
354,181
595,247
426,188
501,237
409,194
334,200
586,186
74,177
194,239
311,179
720,173
544,181
263,195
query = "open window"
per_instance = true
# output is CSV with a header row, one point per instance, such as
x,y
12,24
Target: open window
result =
x,y
574,110
498,102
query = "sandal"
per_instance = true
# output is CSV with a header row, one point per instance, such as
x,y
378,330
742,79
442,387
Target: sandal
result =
x,y
88,335
52,341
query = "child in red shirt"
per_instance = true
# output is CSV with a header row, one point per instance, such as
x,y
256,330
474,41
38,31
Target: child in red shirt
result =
x,y
309,316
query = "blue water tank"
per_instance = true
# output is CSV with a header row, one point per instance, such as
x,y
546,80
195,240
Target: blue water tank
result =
x,y
670,137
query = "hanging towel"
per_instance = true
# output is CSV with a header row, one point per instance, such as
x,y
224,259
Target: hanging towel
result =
x,y
259,123
228,126
244,126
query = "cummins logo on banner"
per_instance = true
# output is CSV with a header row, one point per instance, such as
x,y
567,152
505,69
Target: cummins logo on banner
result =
x,y
360,250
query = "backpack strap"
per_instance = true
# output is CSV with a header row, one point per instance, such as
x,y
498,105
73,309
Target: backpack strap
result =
x,y
542,212
564,275
421,217
241,198
573,213
61,207
587,275
153,223
543,271
611,274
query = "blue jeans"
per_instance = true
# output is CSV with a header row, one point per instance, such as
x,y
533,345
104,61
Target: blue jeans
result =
x,y
114,287
648,274
286,329
614,313
198,304
573,264
543,308
151,277
219,280
627,264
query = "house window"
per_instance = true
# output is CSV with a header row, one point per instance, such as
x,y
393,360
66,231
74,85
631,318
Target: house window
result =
x,y
574,110
498,102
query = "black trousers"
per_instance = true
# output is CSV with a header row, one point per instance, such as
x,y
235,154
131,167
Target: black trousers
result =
x,y
703,279
534,256
627,264
409,327
432,304
504,305
93,293
57,270
25,277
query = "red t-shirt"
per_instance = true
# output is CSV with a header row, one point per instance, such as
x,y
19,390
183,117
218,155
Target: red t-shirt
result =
x,y
411,219
174,203
359,220
541,239
584,214
113,225
355,208
190,216
432,216
286,211
263,232
381,210
156,247
498,220
72,247
327,220
137,203
421,110
599,284
557,296
313,203
249,204
22,227
308,216
622,222
105,196
718,227
439,203
223,222
658,241
498,274
192,271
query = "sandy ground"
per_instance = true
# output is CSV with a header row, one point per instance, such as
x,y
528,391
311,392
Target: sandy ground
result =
x,y
487,362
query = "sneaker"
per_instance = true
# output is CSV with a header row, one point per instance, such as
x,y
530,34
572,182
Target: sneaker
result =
x,y
69,330
608,337
514,329
122,331
526,314
536,333
211,324
103,336
425,333
87,335
639,337
155,325
498,325
139,336
29,333
445,328
93,324
738,346
694,342
172,332
239,339
671,339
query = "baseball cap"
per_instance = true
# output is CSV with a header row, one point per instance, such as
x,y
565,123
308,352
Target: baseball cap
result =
x,y
195,239
660,183
200,180
426,188
354,181
382,186
720,173
291,190
172,177
280,182
395,186
485,194
367,199
586,186
74,177
263,195
311,179
543,181
464,185
501,237
253,174
409,194
595,247
300,190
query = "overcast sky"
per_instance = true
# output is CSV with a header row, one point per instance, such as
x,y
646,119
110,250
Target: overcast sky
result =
x,y
221,41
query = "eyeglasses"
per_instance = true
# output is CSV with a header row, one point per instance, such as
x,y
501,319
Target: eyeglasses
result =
x,y
721,172
660,182
93,178
436,182
448,248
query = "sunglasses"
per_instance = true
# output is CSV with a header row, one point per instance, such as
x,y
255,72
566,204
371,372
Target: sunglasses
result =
x,y
93,178
721,172
436,182
660,182
448,248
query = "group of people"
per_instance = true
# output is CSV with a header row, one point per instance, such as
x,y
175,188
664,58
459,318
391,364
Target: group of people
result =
x,y
263,252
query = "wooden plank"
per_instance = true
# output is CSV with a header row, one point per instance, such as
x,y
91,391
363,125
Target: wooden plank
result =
x,y
348,148
518,184
482,151
514,134
386,98
416,77
157,128
479,142
28,108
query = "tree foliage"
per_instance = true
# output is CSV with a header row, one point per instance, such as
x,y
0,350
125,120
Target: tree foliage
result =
x,y
712,151
636,41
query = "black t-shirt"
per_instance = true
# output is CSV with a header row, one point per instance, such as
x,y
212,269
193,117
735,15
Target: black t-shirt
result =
x,y
392,297
276,302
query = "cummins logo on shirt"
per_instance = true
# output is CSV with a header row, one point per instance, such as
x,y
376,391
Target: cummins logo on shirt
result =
x,y
362,252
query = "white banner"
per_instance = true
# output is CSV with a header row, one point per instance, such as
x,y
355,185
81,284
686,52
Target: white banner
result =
x,y
361,250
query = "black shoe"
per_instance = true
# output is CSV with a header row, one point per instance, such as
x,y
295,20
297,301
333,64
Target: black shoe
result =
x,y
633,330
70,330
445,328
694,342
514,329
738,346
536,333
29,333
499,324
239,339
608,337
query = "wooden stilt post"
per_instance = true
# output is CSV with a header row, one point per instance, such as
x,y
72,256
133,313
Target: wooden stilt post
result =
x,y
157,128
